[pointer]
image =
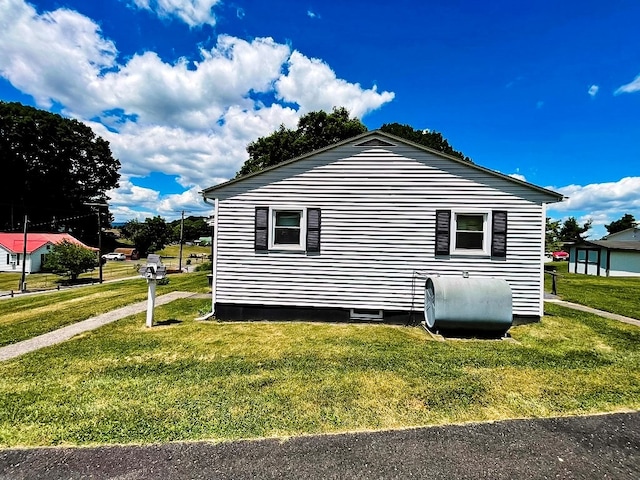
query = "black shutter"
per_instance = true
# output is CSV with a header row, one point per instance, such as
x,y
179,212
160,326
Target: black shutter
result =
x,y
313,230
499,234
443,229
261,240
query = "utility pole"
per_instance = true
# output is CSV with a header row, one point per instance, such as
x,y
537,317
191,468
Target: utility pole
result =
x,y
98,205
181,233
23,280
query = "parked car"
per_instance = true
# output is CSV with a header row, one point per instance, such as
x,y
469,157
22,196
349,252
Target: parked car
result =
x,y
114,256
559,256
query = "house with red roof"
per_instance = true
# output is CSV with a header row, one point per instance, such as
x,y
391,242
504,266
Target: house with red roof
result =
x,y
38,245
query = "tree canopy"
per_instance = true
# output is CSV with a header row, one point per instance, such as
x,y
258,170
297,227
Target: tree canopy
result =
x,y
52,167
69,259
428,138
148,236
315,130
572,231
627,221
320,129
552,242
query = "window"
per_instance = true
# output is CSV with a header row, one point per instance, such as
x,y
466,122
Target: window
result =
x,y
287,228
471,233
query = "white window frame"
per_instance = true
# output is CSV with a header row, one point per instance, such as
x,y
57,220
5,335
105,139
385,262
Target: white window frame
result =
x,y
302,245
486,233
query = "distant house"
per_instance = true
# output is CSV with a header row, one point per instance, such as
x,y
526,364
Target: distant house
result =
x,y
347,232
38,245
617,255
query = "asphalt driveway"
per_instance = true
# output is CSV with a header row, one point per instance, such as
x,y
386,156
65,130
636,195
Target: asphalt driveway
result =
x,y
602,446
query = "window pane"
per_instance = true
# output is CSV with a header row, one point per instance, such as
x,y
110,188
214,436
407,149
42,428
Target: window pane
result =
x,y
469,240
287,236
288,219
473,223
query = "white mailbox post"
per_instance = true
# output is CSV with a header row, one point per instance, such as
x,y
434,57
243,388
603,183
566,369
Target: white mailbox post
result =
x,y
152,271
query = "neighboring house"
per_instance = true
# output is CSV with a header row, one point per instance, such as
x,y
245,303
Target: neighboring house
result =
x,y
38,245
130,253
617,255
352,230
628,235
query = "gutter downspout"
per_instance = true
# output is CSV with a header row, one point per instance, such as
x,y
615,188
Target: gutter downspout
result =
x,y
214,259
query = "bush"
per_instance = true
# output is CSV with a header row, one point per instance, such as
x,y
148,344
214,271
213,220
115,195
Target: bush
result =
x,y
204,267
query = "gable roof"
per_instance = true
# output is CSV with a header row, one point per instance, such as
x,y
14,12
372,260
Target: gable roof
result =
x,y
377,137
14,242
621,232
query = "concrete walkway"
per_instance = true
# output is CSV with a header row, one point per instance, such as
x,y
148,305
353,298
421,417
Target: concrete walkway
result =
x,y
601,313
65,333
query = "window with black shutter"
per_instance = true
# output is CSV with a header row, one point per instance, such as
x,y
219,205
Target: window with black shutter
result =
x,y
313,230
261,240
499,234
443,229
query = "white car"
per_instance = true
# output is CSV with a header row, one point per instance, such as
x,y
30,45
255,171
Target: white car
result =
x,y
114,256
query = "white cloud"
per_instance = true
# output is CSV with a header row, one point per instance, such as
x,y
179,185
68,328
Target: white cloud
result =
x,y
631,87
312,85
593,90
191,12
311,14
518,176
189,119
600,202
62,46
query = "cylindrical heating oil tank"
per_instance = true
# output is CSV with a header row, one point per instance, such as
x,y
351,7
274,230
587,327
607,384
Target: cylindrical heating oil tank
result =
x,y
471,304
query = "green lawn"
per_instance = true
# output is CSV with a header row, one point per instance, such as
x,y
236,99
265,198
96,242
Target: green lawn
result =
x,y
38,281
24,317
613,294
189,380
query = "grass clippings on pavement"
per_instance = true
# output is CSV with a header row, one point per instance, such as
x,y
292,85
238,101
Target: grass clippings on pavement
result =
x,y
190,380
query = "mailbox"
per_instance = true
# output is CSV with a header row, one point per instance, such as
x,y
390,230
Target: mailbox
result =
x,y
153,270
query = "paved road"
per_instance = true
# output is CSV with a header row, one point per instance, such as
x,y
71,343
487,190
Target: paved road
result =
x,y
594,447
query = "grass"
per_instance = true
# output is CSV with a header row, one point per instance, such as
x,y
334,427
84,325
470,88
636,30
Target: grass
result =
x,y
170,255
43,281
27,316
189,380
611,294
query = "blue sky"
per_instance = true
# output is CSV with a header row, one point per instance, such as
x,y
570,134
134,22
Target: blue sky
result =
x,y
547,91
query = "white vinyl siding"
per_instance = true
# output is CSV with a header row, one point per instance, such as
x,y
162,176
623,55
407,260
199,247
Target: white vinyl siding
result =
x,y
378,228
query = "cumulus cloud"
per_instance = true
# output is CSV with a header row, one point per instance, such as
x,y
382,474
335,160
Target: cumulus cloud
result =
x,y
312,85
61,45
188,118
192,12
630,87
600,202
593,90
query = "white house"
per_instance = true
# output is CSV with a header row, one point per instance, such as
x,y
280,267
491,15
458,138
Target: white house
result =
x,y
350,231
38,245
617,255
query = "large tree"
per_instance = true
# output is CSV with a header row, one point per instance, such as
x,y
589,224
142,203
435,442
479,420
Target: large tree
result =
x,y
552,242
148,236
52,167
428,138
627,221
315,130
320,129
572,231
